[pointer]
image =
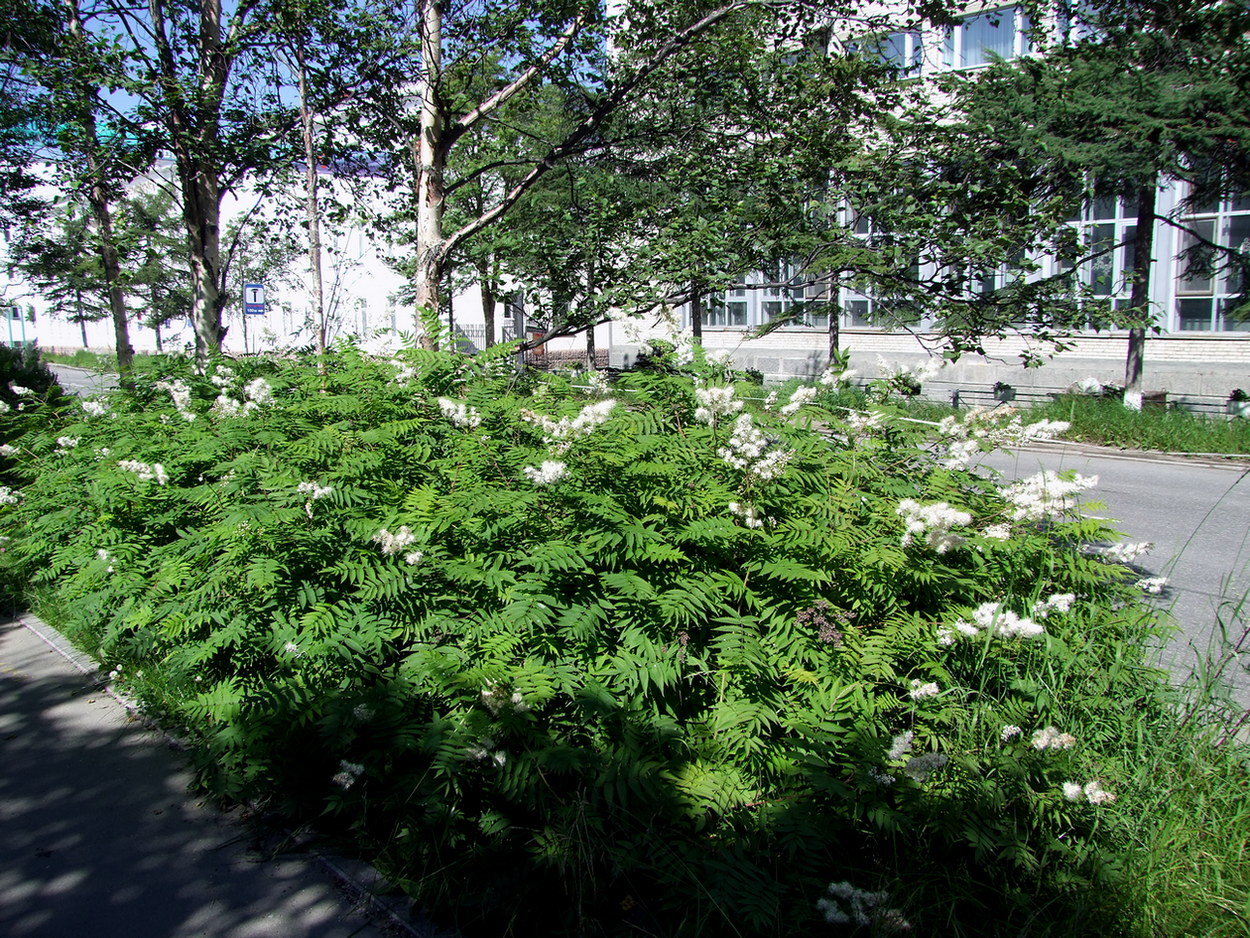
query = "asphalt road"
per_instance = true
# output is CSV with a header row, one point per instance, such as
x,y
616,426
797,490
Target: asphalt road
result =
x,y
1197,514
82,380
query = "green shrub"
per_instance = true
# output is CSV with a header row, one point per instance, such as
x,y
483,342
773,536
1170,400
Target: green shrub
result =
x,y
583,664
21,367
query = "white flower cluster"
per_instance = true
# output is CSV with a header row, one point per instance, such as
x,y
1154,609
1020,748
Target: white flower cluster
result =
x,y
460,413
849,904
719,357
256,394
831,377
750,517
21,391
146,473
106,557
863,423
884,779
919,768
395,543
1091,791
1127,553
181,396
1152,584
95,408
897,371
900,745
1055,602
920,690
4,406
1046,495
7,450
292,649
487,751
550,471
9,496
747,451
998,532
66,443
959,454
1050,738
348,773
1041,432
715,403
597,383
802,395
934,522
992,618
566,429
985,429
403,371
1010,732
223,376
496,700
314,490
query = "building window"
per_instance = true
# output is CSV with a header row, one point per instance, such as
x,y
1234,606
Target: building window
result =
x,y
1106,229
902,51
977,40
719,314
1208,271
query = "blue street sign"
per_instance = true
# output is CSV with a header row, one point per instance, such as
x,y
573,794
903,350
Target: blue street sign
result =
x,y
254,299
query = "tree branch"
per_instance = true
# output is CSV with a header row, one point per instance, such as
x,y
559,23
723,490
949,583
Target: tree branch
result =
x,y
592,121
501,97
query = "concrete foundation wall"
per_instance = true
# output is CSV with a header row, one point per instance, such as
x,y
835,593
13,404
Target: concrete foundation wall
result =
x,y
1203,367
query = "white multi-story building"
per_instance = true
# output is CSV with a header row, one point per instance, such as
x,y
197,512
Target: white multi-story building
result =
x,y
1201,351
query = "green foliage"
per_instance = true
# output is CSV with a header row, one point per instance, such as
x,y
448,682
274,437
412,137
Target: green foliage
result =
x,y
583,664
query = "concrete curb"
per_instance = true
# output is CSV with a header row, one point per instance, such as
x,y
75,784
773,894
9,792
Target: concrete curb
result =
x,y
1234,462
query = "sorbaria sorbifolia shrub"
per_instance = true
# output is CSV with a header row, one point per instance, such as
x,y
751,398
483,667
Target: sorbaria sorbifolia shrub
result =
x,y
569,656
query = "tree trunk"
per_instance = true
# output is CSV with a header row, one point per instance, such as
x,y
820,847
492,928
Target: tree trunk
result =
x,y
193,129
489,300
696,313
98,197
82,319
1143,248
835,323
156,316
591,358
430,161
112,277
314,210
201,215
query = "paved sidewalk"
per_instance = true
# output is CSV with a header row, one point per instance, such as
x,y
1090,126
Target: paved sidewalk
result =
x,y
99,838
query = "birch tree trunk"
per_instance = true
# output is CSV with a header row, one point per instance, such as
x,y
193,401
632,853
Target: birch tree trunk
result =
x,y
313,209
193,130
430,159
98,197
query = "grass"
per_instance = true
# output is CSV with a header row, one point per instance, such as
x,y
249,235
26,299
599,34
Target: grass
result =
x,y
97,361
81,358
1187,858
1109,423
